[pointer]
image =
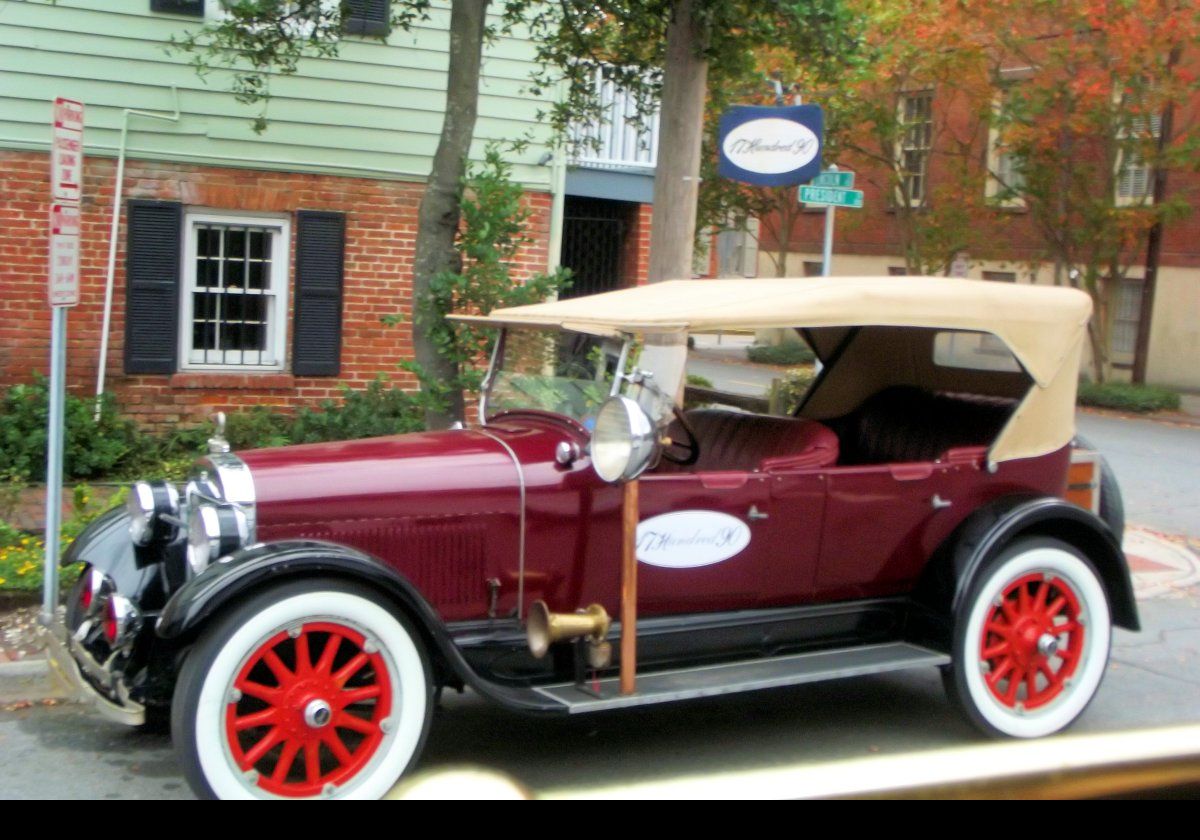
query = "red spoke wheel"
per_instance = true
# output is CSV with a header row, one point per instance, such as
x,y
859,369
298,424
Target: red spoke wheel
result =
x,y
313,689
1031,640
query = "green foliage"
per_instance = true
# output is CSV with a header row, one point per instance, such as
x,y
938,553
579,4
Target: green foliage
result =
x,y
492,234
1123,396
791,389
91,447
375,410
786,353
22,555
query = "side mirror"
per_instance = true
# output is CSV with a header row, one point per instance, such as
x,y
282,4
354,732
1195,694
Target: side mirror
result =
x,y
623,442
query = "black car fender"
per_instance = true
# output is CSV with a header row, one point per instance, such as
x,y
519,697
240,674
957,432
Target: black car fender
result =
x,y
986,531
136,572
232,578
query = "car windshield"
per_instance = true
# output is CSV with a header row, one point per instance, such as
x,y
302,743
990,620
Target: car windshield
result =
x,y
563,372
572,373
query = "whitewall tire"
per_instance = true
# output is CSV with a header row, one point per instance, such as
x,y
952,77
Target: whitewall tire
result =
x,y
312,689
1031,640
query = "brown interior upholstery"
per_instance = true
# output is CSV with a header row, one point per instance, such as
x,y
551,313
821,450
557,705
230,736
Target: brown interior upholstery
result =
x,y
910,424
731,440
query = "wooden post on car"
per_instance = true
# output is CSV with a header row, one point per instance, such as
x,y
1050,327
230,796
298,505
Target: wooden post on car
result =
x,y
629,523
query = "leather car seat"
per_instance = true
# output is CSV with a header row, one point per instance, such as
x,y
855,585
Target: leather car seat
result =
x,y
731,440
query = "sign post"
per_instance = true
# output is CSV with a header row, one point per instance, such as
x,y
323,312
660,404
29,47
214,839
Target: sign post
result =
x,y
832,188
66,165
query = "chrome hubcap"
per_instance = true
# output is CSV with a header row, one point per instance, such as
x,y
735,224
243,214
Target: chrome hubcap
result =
x,y
1047,645
318,713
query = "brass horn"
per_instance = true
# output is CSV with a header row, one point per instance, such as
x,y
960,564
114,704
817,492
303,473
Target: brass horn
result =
x,y
544,628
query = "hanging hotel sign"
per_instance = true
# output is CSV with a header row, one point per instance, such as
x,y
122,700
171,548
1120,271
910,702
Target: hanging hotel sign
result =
x,y
771,146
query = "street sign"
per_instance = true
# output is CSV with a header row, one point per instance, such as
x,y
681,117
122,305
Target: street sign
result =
x,y
832,197
840,179
64,255
66,150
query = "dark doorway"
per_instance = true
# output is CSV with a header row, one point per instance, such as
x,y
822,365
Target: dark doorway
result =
x,y
593,244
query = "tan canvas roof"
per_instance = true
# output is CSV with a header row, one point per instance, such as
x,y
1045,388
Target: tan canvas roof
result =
x,y
1044,326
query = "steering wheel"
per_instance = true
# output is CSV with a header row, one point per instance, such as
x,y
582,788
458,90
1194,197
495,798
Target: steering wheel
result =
x,y
683,453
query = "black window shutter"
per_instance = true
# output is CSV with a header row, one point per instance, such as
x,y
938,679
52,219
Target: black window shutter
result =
x,y
317,336
365,17
194,8
155,236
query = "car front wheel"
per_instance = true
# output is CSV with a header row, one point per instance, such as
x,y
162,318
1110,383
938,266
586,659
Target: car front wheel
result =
x,y
1031,641
309,689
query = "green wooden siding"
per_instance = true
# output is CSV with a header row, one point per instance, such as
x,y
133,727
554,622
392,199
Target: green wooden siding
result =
x,y
374,111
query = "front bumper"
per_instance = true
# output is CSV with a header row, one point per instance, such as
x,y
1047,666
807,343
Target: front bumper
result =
x,y
70,661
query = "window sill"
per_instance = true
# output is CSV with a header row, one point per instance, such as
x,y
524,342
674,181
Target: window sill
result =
x,y
232,381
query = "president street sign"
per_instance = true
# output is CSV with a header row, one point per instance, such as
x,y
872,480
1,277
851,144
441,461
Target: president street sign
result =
x,y
832,197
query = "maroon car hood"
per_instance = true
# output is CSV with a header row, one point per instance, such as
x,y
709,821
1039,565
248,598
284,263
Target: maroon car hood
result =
x,y
426,473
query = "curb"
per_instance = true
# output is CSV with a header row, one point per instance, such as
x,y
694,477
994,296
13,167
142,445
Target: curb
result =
x,y
34,666
1167,418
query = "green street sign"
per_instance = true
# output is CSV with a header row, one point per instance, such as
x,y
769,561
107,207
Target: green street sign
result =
x,y
832,196
840,180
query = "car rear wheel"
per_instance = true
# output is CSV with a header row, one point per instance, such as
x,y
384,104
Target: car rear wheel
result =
x,y
1031,641
313,689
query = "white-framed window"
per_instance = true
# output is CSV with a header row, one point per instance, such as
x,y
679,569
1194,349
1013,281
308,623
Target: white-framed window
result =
x,y
234,296
1135,178
914,145
1005,177
1126,319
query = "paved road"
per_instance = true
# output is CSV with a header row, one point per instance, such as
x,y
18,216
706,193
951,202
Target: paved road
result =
x,y
1154,679
1158,468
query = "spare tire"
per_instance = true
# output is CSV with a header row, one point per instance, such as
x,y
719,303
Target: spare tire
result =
x,y
1112,506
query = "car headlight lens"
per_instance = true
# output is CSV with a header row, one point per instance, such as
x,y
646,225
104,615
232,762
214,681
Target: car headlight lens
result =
x,y
213,532
152,505
623,441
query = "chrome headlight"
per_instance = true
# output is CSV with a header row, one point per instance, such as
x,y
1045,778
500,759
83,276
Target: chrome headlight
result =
x,y
153,508
623,441
213,532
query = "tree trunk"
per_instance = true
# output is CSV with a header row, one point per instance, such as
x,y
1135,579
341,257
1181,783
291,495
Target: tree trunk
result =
x,y
439,214
677,179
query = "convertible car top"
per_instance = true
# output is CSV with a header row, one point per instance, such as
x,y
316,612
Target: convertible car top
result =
x,y
1043,326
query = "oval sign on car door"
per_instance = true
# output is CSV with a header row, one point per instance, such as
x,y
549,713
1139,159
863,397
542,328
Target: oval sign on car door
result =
x,y
687,539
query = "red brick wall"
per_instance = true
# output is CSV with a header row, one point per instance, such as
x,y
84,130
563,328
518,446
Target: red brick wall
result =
x,y
636,257
380,229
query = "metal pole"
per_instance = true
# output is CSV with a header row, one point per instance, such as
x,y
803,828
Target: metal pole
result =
x,y
54,459
827,256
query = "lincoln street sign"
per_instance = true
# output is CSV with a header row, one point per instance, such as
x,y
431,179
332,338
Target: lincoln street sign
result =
x,y
832,196
771,146
840,178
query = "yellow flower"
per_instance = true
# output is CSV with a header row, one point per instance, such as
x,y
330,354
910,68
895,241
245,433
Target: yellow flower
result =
x,y
3,581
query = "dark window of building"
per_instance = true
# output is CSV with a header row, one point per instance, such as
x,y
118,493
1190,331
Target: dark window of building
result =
x,y
897,271
366,17
1001,276
813,268
192,8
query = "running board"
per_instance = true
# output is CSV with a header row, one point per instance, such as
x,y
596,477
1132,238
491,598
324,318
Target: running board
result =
x,y
734,677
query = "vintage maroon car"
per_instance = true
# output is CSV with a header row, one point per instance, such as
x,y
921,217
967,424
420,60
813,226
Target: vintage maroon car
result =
x,y
297,610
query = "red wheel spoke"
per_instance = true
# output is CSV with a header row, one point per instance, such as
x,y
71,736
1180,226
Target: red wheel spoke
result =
x,y
357,724
999,673
286,759
337,747
1031,685
1010,610
266,717
1056,606
262,747
357,695
325,665
1001,630
1066,627
303,659
1023,601
995,650
1039,603
312,762
1044,669
1014,684
268,695
282,674
350,669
